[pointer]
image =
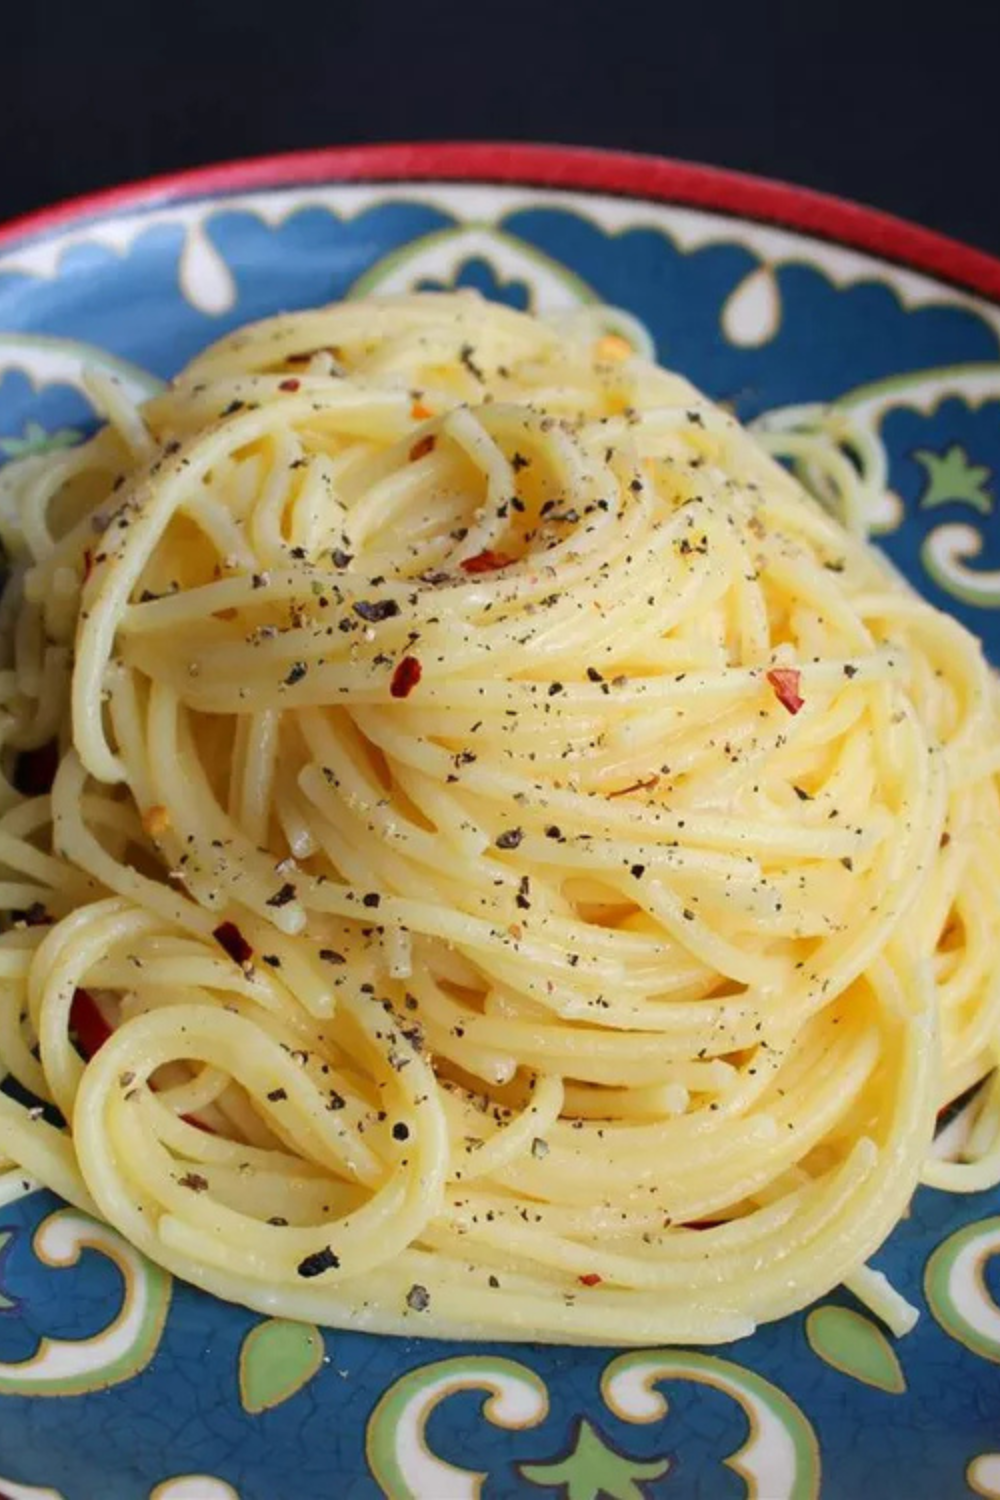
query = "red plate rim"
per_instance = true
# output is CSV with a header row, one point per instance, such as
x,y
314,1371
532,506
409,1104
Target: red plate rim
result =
x,y
579,168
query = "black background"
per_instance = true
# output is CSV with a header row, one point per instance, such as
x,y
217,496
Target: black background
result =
x,y
892,103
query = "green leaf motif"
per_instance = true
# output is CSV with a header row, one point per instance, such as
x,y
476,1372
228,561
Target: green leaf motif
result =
x,y
7,1304
950,477
277,1359
853,1345
593,1470
35,440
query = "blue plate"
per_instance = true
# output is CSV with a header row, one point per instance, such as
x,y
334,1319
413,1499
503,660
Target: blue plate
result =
x,y
118,1383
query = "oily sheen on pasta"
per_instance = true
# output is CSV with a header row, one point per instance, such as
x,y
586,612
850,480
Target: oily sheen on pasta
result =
x,y
516,867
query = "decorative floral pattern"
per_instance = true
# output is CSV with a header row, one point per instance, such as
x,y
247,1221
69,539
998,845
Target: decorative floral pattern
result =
x,y
957,1291
166,1395
61,1367
856,1347
952,479
593,1469
277,1359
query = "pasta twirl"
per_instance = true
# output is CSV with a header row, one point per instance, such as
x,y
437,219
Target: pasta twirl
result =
x,y
514,866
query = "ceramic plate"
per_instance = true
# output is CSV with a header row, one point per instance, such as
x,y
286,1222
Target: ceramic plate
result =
x,y
117,1383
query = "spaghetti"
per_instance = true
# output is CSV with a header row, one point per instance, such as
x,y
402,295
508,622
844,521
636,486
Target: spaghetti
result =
x,y
514,865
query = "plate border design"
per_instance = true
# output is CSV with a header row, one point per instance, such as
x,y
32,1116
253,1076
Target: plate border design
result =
x,y
580,168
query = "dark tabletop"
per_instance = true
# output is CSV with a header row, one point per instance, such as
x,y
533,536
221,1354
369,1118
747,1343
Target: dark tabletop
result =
x,y
892,103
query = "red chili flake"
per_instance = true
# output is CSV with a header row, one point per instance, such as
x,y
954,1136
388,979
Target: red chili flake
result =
x,y
426,445
591,1279
486,562
88,563
229,936
419,412
289,385
35,770
405,678
88,1024
785,681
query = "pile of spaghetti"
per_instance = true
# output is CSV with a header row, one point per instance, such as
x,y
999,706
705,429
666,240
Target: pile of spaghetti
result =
x,y
485,853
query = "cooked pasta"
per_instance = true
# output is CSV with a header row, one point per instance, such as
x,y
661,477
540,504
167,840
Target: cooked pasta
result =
x,y
487,855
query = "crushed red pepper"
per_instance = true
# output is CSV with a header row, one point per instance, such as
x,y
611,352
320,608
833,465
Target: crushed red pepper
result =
x,y
87,1023
406,676
486,561
785,681
229,937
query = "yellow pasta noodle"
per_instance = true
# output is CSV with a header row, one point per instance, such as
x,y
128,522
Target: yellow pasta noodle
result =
x,y
516,866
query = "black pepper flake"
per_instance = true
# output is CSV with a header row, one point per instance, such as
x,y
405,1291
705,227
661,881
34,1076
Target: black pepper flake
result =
x,y
318,1262
374,610
331,956
554,688
35,770
418,1298
635,486
296,673
466,354
594,674
272,960
336,1101
847,862
850,671
276,1095
539,1148
802,794
282,896
687,914
519,462
340,558
371,898
637,871
195,1181
553,831
232,408
401,1131
34,915
278,1222
510,838
493,1282
524,893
